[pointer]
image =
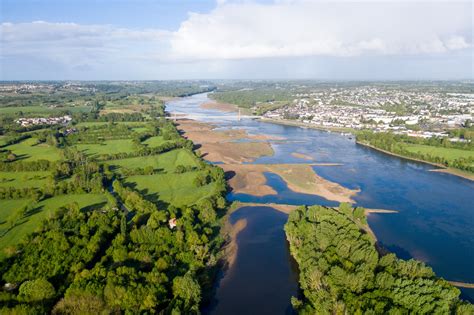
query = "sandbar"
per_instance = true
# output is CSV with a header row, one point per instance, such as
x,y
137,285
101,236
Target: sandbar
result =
x,y
300,178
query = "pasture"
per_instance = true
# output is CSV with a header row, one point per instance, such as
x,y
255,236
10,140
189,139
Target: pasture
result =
x,y
107,147
30,150
37,212
166,161
447,153
24,179
175,189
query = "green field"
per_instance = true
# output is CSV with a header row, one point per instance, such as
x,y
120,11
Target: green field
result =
x,y
175,189
140,129
154,141
40,211
137,124
30,150
23,179
107,147
165,161
42,109
447,153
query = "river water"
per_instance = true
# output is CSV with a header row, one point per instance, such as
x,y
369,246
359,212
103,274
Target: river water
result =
x,y
435,222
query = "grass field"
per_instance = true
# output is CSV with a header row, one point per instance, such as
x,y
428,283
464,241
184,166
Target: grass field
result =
x,y
165,161
447,153
175,189
23,179
155,141
40,212
29,150
42,109
140,129
107,147
137,124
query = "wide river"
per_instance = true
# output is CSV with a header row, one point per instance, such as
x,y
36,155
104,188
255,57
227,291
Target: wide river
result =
x,y
435,222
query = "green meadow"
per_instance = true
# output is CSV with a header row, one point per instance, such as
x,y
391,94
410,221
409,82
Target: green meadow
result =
x,y
154,141
24,179
165,161
133,124
447,153
107,147
42,110
38,212
175,189
31,150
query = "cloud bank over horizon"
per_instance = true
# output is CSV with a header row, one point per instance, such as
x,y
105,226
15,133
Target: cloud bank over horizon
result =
x,y
237,39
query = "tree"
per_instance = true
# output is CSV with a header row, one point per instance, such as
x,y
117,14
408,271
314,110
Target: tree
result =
x,y
36,290
187,289
11,157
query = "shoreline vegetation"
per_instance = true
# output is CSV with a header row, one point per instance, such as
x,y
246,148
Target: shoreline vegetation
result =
x,y
342,271
441,169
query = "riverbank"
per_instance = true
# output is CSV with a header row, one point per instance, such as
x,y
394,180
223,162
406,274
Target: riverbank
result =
x,y
287,122
442,168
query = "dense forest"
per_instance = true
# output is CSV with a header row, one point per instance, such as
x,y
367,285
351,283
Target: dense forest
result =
x,y
399,144
341,271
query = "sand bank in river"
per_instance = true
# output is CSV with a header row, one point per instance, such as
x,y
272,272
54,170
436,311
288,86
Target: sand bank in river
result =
x,y
200,133
220,146
300,178
235,152
231,231
302,156
288,208
223,107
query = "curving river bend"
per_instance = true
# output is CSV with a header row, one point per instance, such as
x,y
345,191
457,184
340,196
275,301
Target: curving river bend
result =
x,y
435,222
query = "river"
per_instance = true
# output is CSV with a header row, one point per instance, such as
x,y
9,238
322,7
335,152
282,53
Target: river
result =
x,y
435,222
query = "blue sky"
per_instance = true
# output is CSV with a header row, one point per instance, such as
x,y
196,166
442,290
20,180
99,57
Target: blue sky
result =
x,y
145,39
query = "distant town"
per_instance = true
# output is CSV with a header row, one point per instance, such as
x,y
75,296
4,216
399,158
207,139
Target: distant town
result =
x,y
415,113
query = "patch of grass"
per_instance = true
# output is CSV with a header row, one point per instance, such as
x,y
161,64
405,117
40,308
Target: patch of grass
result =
x,y
107,147
175,189
42,109
140,129
39,212
447,153
23,179
31,150
165,161
102,123
154,141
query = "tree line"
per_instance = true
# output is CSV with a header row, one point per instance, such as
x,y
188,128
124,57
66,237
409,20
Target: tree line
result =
x,y
398,144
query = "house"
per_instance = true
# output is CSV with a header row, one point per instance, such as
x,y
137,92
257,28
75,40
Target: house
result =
x,y
172,223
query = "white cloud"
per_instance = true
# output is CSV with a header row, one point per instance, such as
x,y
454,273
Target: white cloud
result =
x,y
74,44
265,36
311,28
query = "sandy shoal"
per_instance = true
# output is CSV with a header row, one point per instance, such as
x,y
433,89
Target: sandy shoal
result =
x,y
223,107
302,156
300,178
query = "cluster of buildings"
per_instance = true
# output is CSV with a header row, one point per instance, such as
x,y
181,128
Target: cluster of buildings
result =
x,y
25,122
414,112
